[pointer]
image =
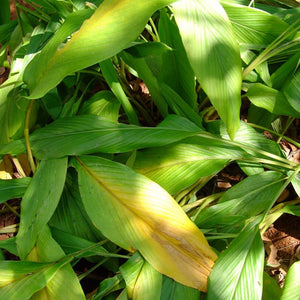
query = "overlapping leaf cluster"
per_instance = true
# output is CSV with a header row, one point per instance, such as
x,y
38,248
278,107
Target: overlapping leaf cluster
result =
x,y
114,178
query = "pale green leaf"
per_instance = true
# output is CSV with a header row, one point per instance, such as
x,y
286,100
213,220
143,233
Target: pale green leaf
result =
x,y
40,201
213,52
21,279
137,214
99,38
291,290
103,104
270,99
244,260
176,167
254,27
142,281
130,271
47,250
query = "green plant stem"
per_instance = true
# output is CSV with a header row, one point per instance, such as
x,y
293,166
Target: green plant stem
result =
x,y
88,272
26,135
286,127
12,209
276,133
155,30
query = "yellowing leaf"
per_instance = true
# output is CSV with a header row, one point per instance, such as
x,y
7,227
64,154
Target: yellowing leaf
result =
x,y
137,214
109,30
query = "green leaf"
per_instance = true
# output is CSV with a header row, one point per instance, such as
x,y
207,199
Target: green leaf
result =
x,y
47,250
176,70
213,52
292,89
103,104
109,285
244,259
137,214
179,106
176,167
172,290
13,188
9,245
142,281
253,27
270,99
4,12
146,60
24,278
91,134
99,38
130,271
39,202
111,77
70,215
271,289
291,290
246,199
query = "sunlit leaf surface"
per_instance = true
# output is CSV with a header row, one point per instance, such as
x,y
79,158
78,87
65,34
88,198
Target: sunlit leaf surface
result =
x,y
137,214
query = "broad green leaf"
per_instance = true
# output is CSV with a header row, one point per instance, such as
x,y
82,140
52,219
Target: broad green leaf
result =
x,y
251,140
176,70
172,290
148,285
13,188
40,201
90,134
70,215
142,281
176,167
103,104
271,289
179,106
254,27
23,278
9,245
246,199
131,270
291,290
47,250
213,52
244,259
285,71
137,214
99,38
292,89
270,99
